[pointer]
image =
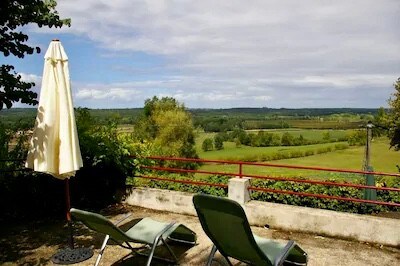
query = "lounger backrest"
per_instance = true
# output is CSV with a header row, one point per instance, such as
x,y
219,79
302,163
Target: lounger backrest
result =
x,y
225,223
99,224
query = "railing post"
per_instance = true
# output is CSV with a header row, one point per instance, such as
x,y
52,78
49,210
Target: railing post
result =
x,y
240,169
370,194
238,190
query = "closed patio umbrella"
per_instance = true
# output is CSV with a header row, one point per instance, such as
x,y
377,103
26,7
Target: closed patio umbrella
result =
x,y
54,147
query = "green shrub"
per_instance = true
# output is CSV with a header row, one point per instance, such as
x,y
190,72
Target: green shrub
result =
x,y
218,142
296,154
341,146
326,136
250,158
264,157
322,150
346,192
207,145
237,143
101,181
287,139
28,195
358,137
105,163
25,194
217,179
309,153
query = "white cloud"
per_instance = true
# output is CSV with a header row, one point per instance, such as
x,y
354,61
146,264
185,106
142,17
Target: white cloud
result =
x,y
283,53
200,92
346,81
27,77
111,94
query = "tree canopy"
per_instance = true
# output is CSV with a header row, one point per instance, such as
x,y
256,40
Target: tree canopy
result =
x,y
13,15
169,125
394,116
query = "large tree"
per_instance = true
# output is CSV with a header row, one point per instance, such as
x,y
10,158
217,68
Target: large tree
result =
x,y
168,124
394,116
13,15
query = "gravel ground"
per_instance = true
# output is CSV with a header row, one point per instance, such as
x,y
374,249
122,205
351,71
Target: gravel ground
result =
x,y
35,243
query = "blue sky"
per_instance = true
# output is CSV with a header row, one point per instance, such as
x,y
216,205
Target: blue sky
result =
x,y
222,54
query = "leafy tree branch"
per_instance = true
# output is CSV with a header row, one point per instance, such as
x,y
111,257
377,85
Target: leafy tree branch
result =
x,y
13,15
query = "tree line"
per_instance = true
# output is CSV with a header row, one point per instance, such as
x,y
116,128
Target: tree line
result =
x,y
269,139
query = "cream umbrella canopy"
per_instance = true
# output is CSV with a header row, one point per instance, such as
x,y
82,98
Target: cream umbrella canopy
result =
x,y
54,147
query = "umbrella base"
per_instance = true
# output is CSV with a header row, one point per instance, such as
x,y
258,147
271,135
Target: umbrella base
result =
x,y
71,256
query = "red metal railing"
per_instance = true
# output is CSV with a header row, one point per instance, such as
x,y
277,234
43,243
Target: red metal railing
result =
x,y
274,178
270,165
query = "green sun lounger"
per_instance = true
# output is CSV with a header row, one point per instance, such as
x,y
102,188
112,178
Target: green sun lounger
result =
x,y
147,232
225,223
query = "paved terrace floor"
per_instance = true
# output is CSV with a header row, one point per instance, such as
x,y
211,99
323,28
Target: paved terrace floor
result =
x,y
34,243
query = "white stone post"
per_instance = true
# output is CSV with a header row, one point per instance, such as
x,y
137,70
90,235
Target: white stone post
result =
x,y
238,190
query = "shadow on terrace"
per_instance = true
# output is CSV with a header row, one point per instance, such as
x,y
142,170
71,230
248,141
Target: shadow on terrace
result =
x,y
35,243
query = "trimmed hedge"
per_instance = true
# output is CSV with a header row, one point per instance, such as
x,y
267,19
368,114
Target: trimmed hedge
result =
x,y
262,157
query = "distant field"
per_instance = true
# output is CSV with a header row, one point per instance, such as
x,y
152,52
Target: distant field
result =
x,y
303,123
231,152
316,134
323,124
306,133
382,160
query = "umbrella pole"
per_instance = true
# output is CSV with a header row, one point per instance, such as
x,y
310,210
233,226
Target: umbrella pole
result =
x,y
69,220
70,255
